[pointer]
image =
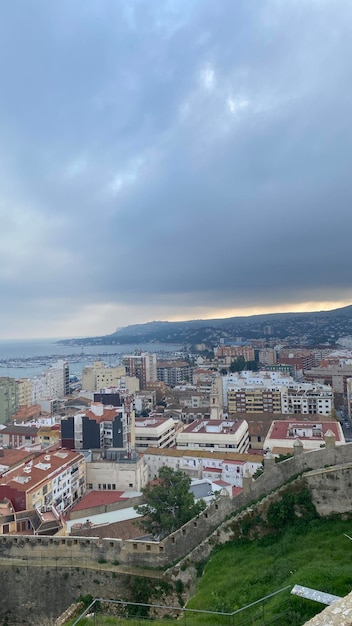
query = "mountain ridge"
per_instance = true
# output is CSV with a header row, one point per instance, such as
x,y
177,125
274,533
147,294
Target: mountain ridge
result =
x,y
313,325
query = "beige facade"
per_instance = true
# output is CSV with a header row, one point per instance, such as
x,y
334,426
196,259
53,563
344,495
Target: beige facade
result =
x,y
104,475
254,400
128,383
229,353
336,375
24,392
98,376
51,479
267,356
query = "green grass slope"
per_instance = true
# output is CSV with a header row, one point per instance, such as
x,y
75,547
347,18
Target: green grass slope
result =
x,y
315,554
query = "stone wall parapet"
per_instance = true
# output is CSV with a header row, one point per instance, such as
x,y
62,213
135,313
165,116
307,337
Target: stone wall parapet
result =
x,y
180,543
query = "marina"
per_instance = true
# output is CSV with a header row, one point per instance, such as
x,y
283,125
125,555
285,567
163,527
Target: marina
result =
x,y
25,359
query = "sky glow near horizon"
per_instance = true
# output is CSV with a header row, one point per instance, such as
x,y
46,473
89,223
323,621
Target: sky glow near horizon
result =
x,y
172,159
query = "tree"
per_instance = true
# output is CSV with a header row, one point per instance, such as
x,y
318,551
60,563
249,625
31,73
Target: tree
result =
x,y
252,366
238,364
168,503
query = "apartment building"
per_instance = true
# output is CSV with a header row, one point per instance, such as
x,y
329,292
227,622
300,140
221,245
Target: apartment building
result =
x,y
155,432
267,356
311,400
24,392
200,464
49,435
98,427
97,376
55,479
8,398
19,436
254,400
275,392
143,366
221,435
52,384
283,434
300,358
229,353
174,372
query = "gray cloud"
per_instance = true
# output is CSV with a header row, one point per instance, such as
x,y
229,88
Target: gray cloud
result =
x,y
172,158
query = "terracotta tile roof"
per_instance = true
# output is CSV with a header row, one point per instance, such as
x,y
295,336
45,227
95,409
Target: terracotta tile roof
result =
x,y
27,477
127,529
97,498
280,429
18,429
14,457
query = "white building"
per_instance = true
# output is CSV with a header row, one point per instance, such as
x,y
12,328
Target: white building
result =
x,y
221,435
226,466
275,392
116,474
155,432
283,434
53,383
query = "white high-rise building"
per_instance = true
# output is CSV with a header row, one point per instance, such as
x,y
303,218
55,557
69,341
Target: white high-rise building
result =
x,y
53,383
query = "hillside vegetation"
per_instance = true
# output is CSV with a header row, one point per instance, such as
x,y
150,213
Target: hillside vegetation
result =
x,y
311,328
313,553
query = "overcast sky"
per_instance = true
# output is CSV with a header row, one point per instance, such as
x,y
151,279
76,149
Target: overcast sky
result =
x,y
172,159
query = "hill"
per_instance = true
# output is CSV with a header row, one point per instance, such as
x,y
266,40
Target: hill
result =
x,y
314,328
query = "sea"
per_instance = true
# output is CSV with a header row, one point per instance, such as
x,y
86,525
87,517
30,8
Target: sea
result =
x,y
26,358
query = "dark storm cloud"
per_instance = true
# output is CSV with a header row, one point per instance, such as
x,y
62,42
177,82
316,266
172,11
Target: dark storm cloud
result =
x,y
189,152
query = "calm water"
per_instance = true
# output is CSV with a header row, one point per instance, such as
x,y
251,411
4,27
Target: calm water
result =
x,y
23,358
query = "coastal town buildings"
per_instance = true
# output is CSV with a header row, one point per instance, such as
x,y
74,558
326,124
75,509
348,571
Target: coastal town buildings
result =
x,y
98,427
283,434
334,370
199,464
229,353
143,366
56,478
113,471
98,376
8,398
158,432
221,435
174,372
274,392
53,384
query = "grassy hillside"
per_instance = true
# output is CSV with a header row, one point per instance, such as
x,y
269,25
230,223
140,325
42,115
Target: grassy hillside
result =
x,y
314,554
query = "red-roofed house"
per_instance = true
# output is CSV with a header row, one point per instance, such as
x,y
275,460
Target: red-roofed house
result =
x,y
283,433
49,479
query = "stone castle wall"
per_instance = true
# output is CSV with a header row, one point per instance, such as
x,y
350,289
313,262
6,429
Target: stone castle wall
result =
x,y
81,550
